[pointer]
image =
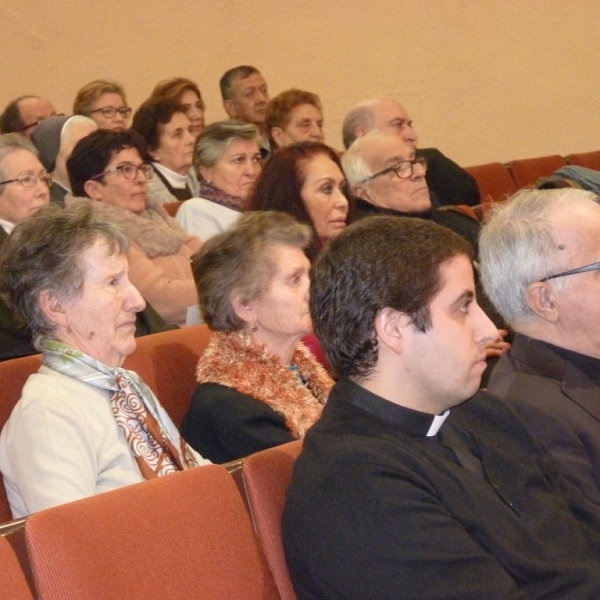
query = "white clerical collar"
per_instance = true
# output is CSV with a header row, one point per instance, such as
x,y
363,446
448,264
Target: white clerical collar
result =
x,y
437,422
7,225
175,179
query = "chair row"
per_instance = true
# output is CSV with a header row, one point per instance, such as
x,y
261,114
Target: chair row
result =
x,y
194,534
165,361
497,181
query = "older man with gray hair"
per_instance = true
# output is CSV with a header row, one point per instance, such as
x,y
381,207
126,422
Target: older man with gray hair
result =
x,y
449,183
388,177
540,266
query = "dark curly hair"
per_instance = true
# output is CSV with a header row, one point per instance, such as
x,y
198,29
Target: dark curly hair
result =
x,y
91,155
376,263
151,115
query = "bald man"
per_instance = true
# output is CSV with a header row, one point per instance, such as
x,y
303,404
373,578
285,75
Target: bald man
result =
x,y
449,183
23,115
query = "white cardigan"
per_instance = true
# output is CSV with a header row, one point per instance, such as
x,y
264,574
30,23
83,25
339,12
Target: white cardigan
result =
x,y
62,443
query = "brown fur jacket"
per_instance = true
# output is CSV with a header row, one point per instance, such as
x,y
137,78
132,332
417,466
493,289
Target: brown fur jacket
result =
x,y
234,360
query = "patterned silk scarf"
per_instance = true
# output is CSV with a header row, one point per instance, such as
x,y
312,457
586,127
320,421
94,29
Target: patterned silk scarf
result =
x,y
153,438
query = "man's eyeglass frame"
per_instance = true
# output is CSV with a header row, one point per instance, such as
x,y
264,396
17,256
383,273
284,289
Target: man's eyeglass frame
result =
x,y
593,267
420,160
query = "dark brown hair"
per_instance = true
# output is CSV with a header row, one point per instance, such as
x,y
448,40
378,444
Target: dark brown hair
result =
x,y
280,184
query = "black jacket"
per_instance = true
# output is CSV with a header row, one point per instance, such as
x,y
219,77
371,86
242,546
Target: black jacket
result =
x,y
377,509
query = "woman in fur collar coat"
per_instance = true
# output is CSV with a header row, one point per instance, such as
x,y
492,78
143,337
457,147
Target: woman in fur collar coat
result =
x,y
259,386
106,167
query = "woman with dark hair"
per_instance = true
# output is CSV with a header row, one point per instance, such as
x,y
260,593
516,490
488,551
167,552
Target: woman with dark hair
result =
x,y
107,169
259,386
187,93
165,127
306,181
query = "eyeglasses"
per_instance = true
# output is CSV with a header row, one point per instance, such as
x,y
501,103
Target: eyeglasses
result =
x,y
110,111
29,181
403,169
592,267
129,171
26,127
36,123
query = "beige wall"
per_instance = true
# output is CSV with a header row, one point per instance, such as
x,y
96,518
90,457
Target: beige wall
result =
x,y
483,79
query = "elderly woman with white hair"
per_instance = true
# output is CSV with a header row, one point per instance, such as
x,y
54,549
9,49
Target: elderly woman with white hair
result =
x,y
84,425
55,139
228,162
259,386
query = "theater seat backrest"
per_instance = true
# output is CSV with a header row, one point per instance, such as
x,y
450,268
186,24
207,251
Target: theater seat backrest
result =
x,y
527,171
589,160
12,580
13,375
183,536
167,363
266,477
494,182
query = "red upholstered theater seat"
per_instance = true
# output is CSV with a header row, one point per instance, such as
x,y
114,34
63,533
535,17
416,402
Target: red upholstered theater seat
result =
x,y
494,182
13,375
14,533
167,363
266,477
527,171
187,535
13,584
172,207
589,160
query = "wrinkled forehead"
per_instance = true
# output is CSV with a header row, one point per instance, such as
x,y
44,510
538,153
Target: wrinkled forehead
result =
x,y
386,111
16,160
242,84
385,151
35,107
576,228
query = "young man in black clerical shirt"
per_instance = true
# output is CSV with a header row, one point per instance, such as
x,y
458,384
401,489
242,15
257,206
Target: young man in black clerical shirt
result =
x,y
414,484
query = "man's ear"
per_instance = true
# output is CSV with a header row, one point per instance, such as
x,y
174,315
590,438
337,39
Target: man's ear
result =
x,y
277,135
541,300
389,327
244,309
360,132
92,189
360,190
53,310
230,108
155,155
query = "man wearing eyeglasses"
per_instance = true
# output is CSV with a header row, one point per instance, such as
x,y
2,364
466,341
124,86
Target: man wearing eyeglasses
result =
x,y
388,178
540,266
24,114
449,183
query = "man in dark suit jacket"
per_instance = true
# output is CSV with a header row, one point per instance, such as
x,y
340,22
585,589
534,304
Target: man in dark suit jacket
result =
x,y
406,488
449,183
539,265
